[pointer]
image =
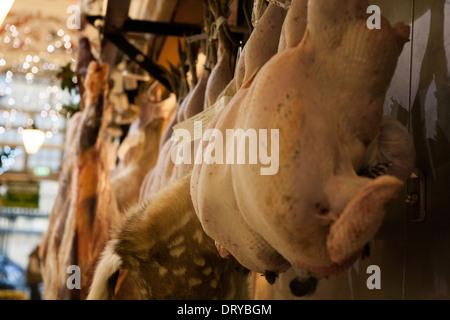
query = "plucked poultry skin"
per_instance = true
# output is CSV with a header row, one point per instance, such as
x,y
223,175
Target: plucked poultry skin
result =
x,y
140,159
325,95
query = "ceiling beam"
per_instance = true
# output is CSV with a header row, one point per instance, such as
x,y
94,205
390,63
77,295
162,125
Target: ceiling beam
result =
x,y
14,145
155,70
25,176
116,15
160,28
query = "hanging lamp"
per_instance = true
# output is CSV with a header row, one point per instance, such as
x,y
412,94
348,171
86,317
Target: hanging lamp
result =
x,y
33,139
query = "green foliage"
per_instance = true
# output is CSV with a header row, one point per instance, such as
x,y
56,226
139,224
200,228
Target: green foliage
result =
x,y
67,76
69,110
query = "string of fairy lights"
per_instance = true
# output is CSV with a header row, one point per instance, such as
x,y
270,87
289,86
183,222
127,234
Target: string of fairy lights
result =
x,y
32,51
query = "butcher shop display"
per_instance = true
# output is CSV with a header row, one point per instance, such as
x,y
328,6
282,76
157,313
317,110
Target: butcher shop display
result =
x,y
269,151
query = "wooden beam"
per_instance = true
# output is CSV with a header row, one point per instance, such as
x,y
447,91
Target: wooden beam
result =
x,y
136,55
161,28
116,15
14,145
25,176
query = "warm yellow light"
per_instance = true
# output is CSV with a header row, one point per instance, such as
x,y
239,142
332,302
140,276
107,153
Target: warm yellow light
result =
x,y
33,140
5,6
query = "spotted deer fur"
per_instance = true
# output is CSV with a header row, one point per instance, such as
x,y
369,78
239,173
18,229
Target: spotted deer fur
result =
x,y
162,244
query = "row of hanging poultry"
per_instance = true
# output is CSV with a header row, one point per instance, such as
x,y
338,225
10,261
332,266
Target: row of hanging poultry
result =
x,y
151,229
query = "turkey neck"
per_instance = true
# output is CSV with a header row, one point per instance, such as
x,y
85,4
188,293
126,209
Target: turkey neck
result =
x,y
294,25
263,42
197,99
221,75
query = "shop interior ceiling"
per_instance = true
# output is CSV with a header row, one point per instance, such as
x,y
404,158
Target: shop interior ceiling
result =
x,y
41,28
159,44
158,48
37,20
39,17
34,20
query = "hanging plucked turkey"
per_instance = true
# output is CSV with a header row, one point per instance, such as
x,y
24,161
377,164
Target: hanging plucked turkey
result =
x,y
325,95
141,150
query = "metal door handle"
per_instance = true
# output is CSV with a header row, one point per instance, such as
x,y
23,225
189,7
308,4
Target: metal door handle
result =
x,y
415,199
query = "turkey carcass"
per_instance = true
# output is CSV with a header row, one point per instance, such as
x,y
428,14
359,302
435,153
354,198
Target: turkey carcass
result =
x,y
325,97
